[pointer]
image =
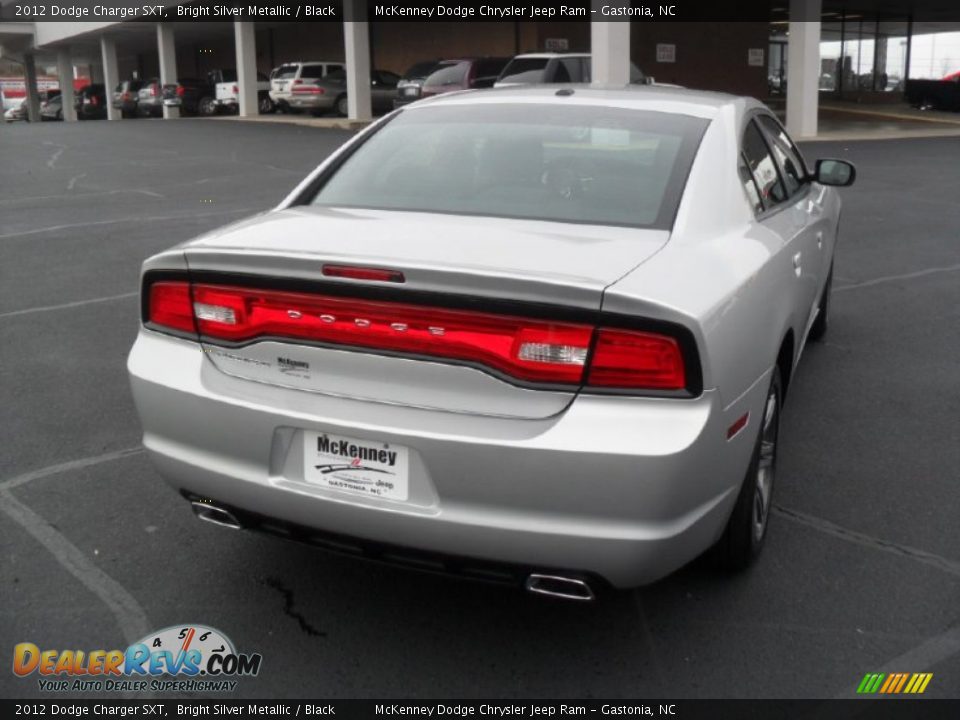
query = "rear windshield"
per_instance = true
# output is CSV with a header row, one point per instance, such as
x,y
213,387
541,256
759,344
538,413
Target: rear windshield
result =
x,y
420,70
605,166
448,73
524,70
285,72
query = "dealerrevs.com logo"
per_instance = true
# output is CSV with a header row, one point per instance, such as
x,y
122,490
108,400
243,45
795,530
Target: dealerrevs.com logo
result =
x,y
180,658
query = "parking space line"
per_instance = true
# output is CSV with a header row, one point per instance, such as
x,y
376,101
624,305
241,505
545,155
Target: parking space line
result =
x,y
127,612
829,528
155,218
63,306
895,278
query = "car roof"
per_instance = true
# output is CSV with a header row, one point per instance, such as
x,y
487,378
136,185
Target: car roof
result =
x,y
681,101
548,55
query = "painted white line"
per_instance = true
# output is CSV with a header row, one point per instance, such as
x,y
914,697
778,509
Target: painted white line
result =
x,y
128,613
155,218
896,278
825,526
73,180
63,306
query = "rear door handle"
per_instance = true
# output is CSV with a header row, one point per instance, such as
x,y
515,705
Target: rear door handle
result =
x,y
797,268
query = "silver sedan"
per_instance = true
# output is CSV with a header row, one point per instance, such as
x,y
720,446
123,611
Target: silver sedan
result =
x,y
536,335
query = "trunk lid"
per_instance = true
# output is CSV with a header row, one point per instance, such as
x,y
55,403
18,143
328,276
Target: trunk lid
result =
x,y
484,259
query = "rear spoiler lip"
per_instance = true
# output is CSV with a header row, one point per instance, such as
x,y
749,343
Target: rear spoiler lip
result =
x,y
453,301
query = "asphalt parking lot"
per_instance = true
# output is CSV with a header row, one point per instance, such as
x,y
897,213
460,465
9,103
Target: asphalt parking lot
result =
x,y
861,572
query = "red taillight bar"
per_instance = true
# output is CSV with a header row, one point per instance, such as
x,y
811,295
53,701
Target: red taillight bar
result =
x,y
528,349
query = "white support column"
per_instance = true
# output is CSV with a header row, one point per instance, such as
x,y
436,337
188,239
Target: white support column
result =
x,y
65,72
356,43
167,51
803,68
30,80
610,49
245,43
108,52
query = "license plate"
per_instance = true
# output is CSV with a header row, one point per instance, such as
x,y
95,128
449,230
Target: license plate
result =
x,y
362,467
410,92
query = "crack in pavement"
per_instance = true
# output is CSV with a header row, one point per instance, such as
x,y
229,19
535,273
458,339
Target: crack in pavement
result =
x,y
288,610
825,526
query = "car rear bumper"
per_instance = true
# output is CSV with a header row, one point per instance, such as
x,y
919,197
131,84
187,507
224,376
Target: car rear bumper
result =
x,y
627,489
312,102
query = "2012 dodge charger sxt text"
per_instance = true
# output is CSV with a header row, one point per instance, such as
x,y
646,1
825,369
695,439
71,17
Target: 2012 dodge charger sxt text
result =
x,y
530,334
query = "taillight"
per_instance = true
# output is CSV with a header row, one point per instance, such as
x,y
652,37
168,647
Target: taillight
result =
x,y
309,89
534,350
153,90
181,91
629,359
528,349
236,90
298,81
170,306
126,96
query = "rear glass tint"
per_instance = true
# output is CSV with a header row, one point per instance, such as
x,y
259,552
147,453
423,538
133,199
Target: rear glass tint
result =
x,y
597,165
524,70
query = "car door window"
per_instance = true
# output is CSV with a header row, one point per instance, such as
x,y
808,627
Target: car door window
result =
x,y
574,72
749,185
311,72
788,157
763,167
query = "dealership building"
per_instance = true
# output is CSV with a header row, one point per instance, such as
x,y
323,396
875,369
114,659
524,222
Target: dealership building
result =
x,y
801,52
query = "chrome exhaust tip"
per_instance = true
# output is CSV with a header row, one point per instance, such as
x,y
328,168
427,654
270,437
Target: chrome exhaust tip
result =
x,y
557,586
216,515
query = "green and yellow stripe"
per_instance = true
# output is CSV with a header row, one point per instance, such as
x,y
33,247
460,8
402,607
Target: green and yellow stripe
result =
x,y
894,683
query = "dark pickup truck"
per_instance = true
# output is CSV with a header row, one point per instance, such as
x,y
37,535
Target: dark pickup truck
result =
x,y
197,96
934,94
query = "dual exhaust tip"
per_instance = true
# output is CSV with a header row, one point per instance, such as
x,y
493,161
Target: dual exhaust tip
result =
x,y
555,586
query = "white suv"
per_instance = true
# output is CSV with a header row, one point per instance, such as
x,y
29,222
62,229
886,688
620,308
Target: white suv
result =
x,y
283,78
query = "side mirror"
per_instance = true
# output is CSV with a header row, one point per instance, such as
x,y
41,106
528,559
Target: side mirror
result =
x,y
838,173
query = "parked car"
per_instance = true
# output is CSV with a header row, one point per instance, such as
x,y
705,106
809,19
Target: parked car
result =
x,y
188,94
227,95
547,68
408,88
125,96
330,93
52,108
150,98
16,112
91,102
490,337
284,78
462,74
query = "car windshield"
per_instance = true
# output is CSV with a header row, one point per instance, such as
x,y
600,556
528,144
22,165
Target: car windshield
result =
x,y
524,70
596,165
451,72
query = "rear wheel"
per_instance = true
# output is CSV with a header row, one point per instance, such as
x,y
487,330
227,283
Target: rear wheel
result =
x,y
206,106
819,327
265,105
746,530
343,107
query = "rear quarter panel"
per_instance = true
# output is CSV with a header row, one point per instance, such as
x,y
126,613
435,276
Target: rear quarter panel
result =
x,y
721,274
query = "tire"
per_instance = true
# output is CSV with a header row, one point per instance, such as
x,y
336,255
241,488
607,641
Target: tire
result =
x,y
206,107
343,107
820,325
746,530
265,105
